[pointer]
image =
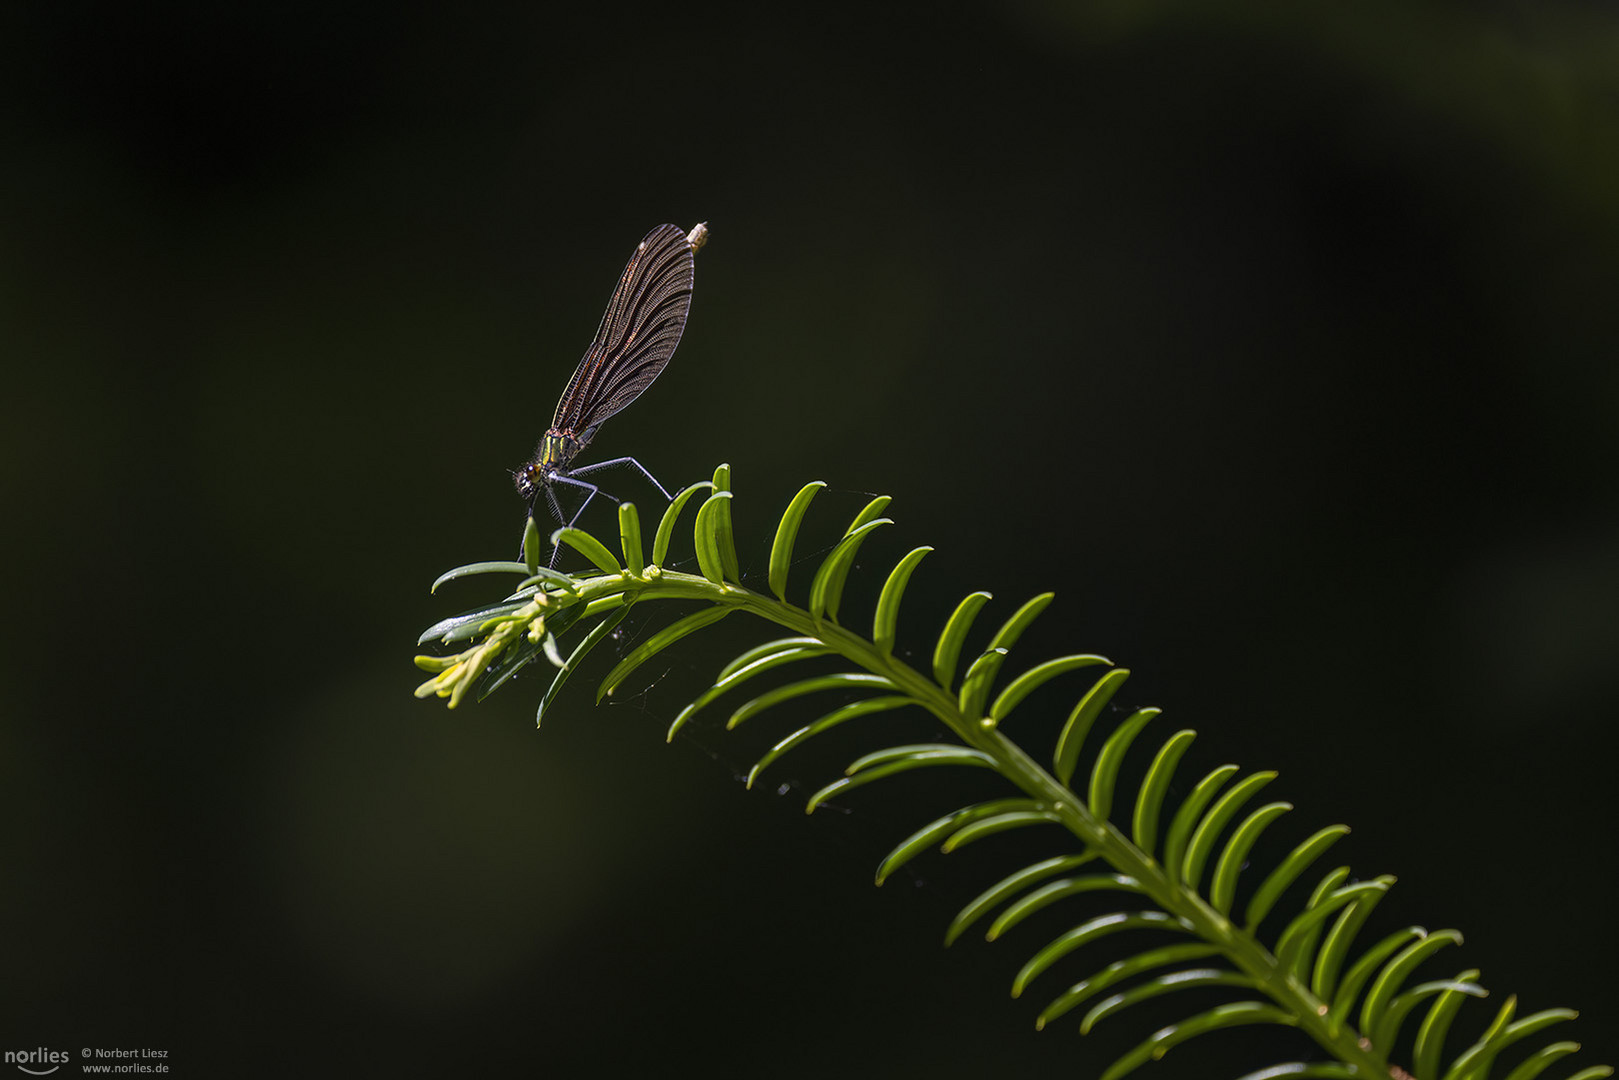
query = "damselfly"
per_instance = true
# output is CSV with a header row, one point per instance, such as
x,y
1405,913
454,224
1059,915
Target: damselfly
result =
x,y
637,336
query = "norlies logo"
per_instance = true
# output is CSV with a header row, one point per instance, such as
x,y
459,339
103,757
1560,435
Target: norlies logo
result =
x,y
50,1059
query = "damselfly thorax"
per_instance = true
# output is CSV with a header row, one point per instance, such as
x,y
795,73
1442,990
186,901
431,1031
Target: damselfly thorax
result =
x,y
554,454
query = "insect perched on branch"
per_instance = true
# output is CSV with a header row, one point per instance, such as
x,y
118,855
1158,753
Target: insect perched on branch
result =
x,y
636,338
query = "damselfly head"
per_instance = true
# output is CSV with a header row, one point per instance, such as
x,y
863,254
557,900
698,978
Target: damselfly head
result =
x,y
529,480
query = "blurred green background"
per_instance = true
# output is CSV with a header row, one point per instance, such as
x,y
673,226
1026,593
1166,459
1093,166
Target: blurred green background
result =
x,y
1277,340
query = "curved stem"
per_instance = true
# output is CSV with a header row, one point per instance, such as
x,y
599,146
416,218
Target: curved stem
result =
x,y
1241,947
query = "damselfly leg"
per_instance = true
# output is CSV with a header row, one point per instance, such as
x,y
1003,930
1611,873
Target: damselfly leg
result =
x,y
591,491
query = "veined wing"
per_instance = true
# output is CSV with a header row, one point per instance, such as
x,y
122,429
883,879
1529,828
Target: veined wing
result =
x,y
638,332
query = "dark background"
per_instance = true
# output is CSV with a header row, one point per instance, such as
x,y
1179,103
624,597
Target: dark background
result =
x,y
1278,342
